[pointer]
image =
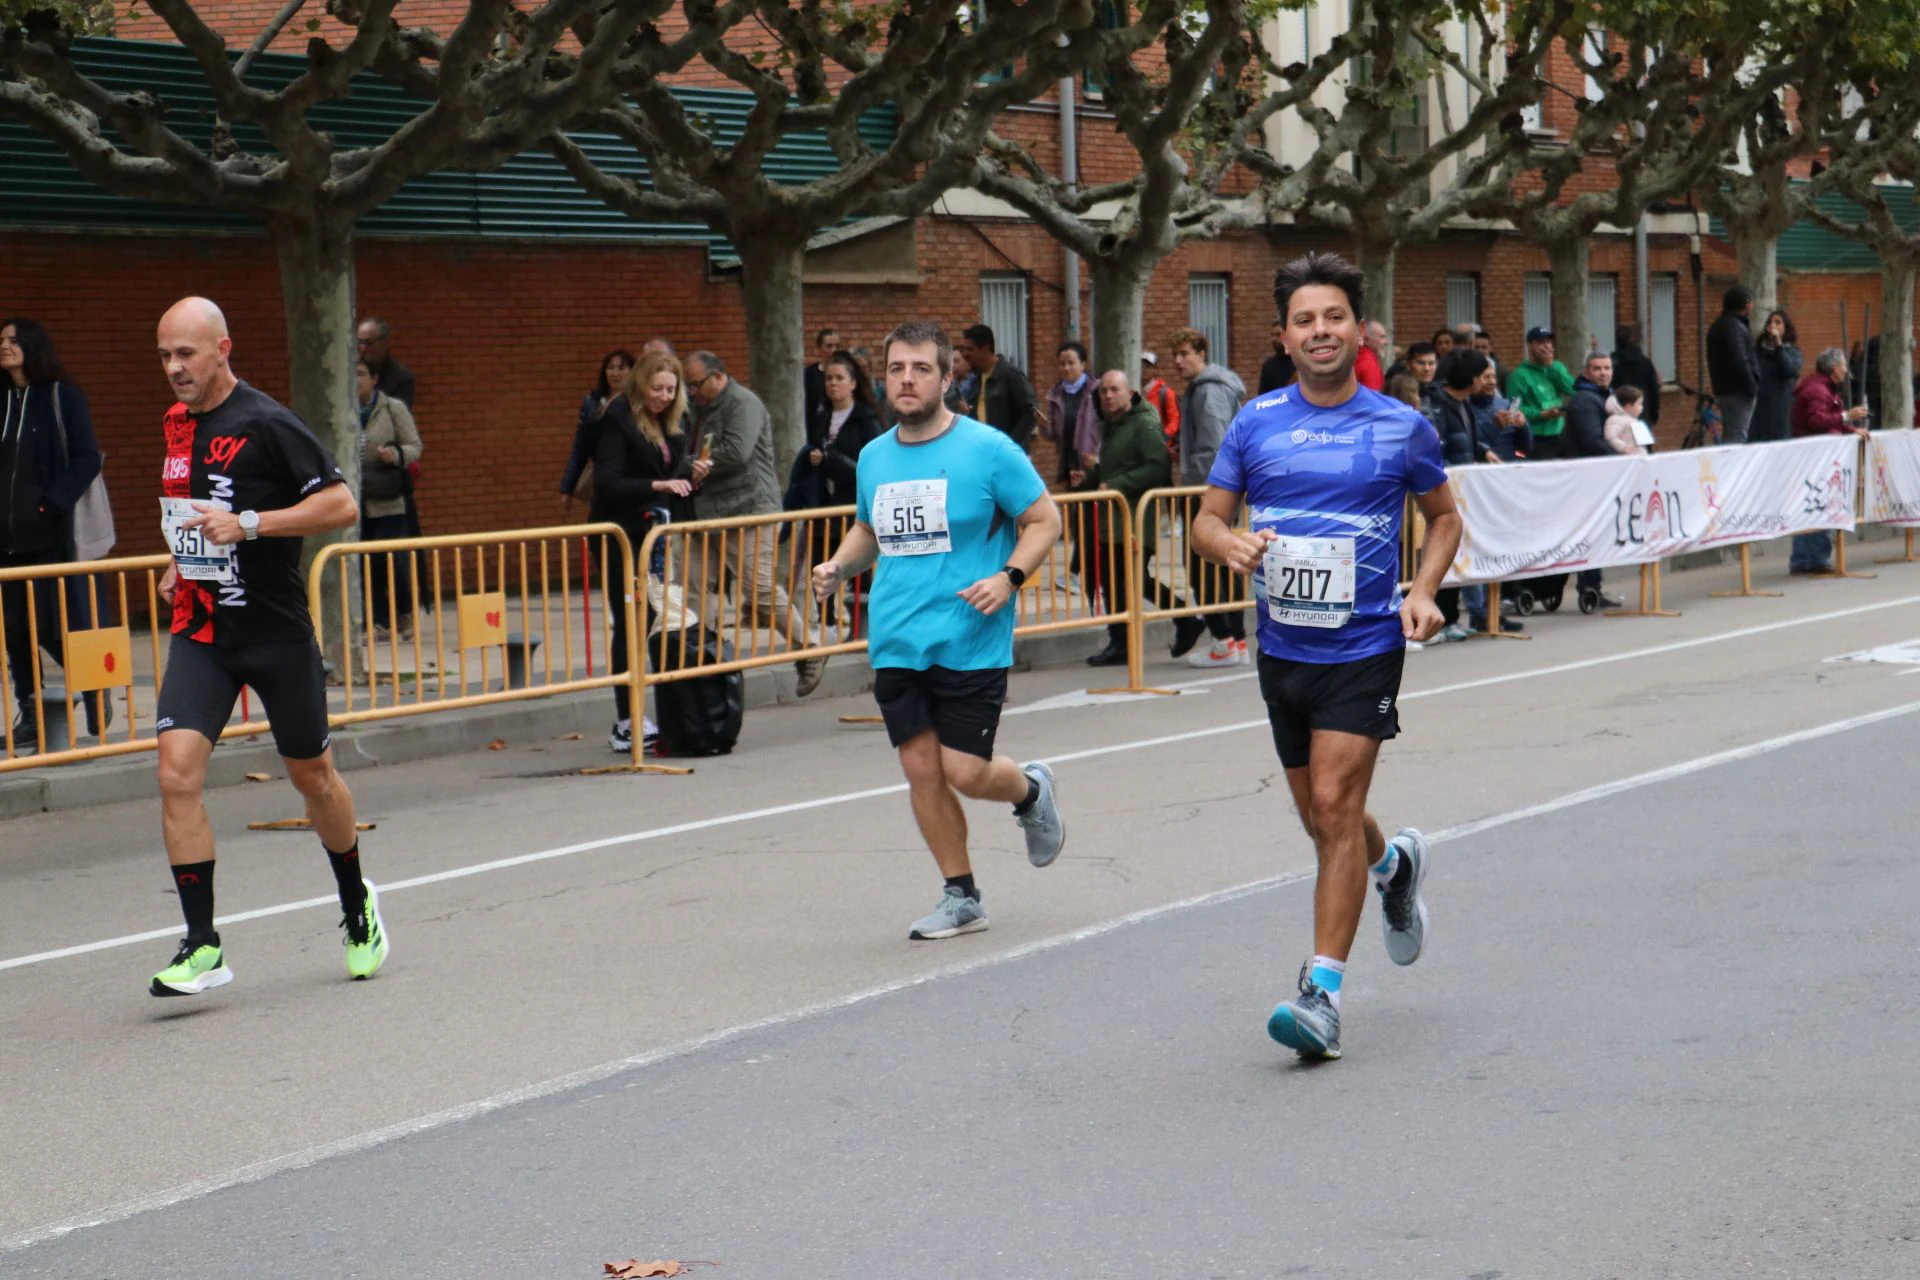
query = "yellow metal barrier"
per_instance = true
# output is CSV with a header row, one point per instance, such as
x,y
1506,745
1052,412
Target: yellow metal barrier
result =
x,y
1163,520
747,582
83,614
506,599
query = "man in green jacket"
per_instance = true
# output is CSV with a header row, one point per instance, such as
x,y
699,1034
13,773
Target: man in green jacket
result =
x,y
1133,459
1540,389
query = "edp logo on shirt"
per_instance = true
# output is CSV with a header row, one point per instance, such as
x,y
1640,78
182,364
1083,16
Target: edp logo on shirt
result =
x,y
1302,436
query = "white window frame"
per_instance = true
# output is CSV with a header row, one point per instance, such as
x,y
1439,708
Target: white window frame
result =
x,y
1536,301
1603,299
1663,323
1203,288
1596,47
1463,299
1008,318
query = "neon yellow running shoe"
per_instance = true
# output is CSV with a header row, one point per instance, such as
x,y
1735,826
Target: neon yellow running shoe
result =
x,y
196,967
366,939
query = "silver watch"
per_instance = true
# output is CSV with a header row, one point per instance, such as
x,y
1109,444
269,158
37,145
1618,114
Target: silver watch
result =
x,y
250,524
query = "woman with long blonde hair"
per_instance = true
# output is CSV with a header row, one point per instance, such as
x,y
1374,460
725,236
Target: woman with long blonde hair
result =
x,y
642,473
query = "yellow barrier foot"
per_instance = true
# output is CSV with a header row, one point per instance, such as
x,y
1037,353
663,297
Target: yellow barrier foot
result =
x,y
1497,634
300,824
1165,693
598,770
1907,558
1746,580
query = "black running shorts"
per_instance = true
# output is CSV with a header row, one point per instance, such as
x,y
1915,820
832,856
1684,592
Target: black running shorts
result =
x,y
1360,697
203,682
961,707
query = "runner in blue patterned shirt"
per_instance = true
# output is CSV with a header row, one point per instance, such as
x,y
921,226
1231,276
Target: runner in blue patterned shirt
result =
x,y
1324,467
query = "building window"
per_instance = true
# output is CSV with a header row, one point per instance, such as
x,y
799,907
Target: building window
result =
x,y
1113,16
1207,298
1537,300
1003,309
1663,305
1463,300
1601,313
1594,52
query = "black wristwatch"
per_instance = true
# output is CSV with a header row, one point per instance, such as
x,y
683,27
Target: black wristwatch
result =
x,y
1017,577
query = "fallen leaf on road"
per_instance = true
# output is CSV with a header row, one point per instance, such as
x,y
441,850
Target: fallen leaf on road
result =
x,y
498,744
633,1268
572,737
259,777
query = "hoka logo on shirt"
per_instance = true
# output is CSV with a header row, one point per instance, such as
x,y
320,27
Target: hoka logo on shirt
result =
x,y
1275,402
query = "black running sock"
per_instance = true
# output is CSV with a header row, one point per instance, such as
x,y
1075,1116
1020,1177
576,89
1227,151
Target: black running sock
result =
x,y
346,873
1026,806
965,885
194,880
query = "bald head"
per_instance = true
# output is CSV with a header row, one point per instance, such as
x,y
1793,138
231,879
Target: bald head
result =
x,y
194,346
1116,393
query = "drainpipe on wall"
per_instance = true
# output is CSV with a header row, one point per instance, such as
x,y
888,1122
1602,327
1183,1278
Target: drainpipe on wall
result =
x,y
1642,304
1070,172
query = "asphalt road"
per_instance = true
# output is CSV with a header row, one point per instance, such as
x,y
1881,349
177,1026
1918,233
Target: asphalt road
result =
x,y
1663,1028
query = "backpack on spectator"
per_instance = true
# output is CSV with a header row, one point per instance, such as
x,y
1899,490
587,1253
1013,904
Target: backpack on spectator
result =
x,y
93,534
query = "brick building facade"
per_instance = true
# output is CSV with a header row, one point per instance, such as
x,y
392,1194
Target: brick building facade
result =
x,y
505,335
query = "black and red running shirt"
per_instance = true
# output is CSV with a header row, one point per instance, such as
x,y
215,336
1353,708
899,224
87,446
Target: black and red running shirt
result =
x,y
252,454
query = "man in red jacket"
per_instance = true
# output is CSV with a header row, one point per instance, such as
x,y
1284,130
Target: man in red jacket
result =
x,y
1820,410
1376,353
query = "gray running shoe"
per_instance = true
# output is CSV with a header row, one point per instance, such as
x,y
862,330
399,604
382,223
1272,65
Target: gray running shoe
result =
x,y
806,675
956,914
1308,1025
1403,912
1046,831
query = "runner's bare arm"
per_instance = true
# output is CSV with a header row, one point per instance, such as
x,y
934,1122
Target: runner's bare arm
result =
x,y
1039,527
323,510
1214,536
853,557
1420,617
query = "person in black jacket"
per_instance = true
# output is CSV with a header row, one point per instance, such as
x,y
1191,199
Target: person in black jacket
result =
x,y
848,421
40,482
1277,370
642,474
1633,367
1465,442
615,367
1586,436
1778,351
1731,363
1003,398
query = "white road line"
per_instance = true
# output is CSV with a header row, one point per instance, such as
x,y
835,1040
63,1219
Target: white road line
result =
x,y
848,797
594,1075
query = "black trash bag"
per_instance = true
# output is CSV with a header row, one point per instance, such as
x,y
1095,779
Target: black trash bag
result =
x,y
700,716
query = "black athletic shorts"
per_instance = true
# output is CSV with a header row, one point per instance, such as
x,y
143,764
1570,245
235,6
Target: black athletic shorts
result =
x,y
203,682
1360,697
962,707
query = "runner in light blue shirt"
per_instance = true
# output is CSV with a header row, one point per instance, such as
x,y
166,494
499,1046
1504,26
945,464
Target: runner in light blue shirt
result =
x,y
1324,467
957,518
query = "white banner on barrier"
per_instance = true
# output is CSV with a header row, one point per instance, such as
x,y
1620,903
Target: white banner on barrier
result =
x,y
1893,477
1554,517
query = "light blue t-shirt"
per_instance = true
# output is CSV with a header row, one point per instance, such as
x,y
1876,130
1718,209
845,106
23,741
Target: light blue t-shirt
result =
x,y
983,482
1320,477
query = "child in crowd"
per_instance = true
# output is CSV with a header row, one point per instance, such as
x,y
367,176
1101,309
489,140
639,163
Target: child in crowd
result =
x,y
1626,433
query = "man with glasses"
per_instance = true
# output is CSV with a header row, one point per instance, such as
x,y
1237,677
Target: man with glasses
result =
x,y
374,339
735,476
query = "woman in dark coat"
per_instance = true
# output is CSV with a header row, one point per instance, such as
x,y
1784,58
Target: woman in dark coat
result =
x,y
642,471
1778,350
615,368
846,422
40,483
